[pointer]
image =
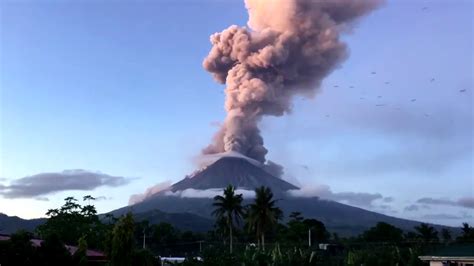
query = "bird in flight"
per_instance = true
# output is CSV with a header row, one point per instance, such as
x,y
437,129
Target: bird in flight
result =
x,y
424,8
351,87
373,73
304,166
387,82
379,96
336,86
432,79
463,90
413,100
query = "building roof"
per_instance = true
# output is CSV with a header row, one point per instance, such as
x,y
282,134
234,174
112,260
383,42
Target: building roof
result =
x,y
455,252
72,249
436,258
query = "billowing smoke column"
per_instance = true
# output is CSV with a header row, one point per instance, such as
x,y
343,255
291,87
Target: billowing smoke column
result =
x,y
290,47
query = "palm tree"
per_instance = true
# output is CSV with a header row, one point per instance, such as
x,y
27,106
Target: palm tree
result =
x,y
263,214
427,233
229,208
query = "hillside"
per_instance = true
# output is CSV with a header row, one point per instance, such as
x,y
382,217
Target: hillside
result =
x,y
11,224
343,219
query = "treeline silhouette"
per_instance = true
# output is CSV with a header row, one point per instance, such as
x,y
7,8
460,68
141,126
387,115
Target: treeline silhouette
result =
x,y
242,235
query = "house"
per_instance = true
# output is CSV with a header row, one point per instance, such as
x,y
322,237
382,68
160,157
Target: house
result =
x,y
165,261
93,256
452,255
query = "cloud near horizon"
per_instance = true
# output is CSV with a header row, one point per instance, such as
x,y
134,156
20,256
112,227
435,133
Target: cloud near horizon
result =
x,y
360,199
322,191
444,216
466,202
38,185
416,207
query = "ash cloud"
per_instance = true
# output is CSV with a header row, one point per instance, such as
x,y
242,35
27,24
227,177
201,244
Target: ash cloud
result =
x,y
361,199
274,169
36,186
466,202
207,193
136,198
288,49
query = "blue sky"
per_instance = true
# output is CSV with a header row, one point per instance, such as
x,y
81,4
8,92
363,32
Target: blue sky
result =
x,y
117,87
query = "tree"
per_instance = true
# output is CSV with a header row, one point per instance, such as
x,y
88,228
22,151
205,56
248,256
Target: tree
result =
x,y
228,207
427,233
297,231
163,236
18,250
467,233
296,217
122,242
142,233
298,228
318,230
144,257
446,234
88,198
72,221
263,215
80,256
383,232
53,252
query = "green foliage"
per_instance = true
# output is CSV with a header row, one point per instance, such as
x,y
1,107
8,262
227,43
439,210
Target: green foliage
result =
x,y
122,242
80,256
144,257
263,215
72,221
427,233
52,252
163,237
297,231
379,254
18,250
257,257
383,232
446,234
467,233
228,208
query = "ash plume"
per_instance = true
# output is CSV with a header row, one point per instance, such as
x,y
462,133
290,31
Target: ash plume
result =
x,y
287,49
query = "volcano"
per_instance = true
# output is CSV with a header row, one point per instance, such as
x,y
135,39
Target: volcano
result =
x,y
239,172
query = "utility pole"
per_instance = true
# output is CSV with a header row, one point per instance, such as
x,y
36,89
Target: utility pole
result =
x,y
144,237
309,237
200,246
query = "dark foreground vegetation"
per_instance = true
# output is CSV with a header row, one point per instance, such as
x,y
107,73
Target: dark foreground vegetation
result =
x,y
243,235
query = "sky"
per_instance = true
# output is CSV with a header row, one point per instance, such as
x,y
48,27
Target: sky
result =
x,y
110,98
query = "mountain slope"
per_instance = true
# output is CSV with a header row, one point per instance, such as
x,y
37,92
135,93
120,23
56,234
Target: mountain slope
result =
x,y
182,221
11,224
344,219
